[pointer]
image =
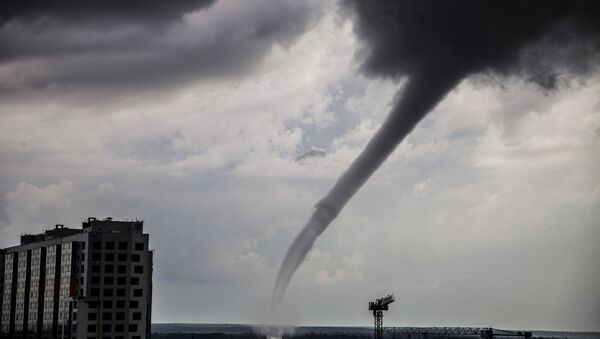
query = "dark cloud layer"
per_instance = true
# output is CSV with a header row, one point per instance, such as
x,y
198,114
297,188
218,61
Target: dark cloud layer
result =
x,y
97,10
406,37
139,44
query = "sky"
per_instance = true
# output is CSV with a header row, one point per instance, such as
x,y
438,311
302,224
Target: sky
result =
x,y
221,125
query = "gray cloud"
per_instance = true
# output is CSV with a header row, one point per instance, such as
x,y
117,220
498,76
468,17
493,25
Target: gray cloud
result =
x,y
311,153
520,37
71,47
98,11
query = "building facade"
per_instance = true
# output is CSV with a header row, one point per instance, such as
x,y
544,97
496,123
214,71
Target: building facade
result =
x,y
93,282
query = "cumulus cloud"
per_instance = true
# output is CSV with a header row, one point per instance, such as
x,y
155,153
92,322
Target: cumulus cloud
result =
x,y
32,204
106,188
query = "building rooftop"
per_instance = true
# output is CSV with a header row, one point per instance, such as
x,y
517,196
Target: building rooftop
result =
x,y
92,224
59,231
110,225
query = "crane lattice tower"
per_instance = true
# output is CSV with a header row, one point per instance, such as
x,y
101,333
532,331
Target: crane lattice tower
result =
x,y
378,306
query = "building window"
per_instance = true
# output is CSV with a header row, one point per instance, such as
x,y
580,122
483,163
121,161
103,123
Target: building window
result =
x,y
95,268
136,337
106,316
108,292
135,257
95,292
107,304
132,327
120,316
110,245
133,304
123,245
135,281
83,246
119,328
122,269
120,304
139,246
137,316
121,280
109,257
97,245
108,280
95,280
91,316
109,268
138,269
137,292
122,257
93,304
120,292
106,327
96,256
91,328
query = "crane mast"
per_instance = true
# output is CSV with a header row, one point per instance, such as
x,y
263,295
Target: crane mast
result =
x,y
378,306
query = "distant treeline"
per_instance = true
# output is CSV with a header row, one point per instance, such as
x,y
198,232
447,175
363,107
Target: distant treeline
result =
x,y
255,336
206,336
309,336
298,336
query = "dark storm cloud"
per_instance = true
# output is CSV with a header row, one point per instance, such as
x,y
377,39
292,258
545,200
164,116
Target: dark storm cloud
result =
x,y
404,38
33,29
140,44
436,44
98,10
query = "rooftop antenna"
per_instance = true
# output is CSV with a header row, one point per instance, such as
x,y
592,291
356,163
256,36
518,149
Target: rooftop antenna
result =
x,y
378,307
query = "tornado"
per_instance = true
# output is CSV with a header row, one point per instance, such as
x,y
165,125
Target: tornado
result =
x,y
435,45
419,97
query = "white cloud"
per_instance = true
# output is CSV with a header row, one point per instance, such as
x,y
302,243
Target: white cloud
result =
x,y
30,202
30,207
106,188
323,268
422,188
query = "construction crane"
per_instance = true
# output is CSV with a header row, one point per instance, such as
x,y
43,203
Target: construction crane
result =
x,y
378,306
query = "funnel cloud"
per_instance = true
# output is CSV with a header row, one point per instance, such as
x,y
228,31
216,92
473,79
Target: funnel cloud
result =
x,y
436,45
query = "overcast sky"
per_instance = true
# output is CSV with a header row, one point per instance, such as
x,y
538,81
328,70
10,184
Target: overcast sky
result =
x,y
221,124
